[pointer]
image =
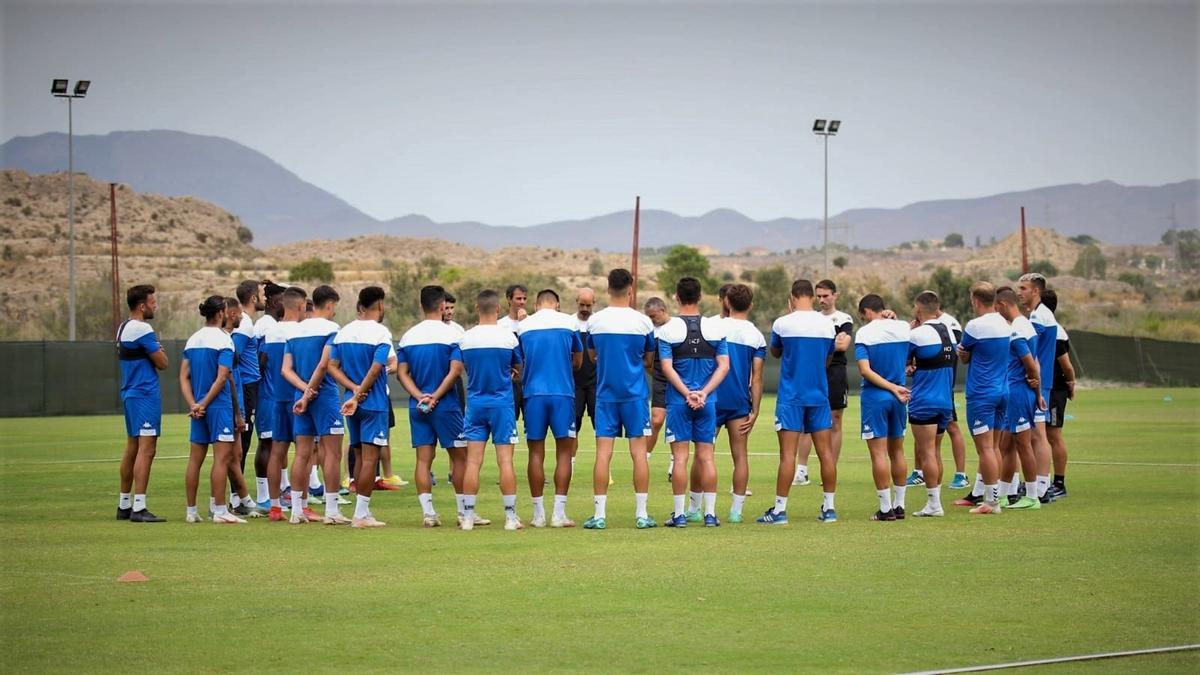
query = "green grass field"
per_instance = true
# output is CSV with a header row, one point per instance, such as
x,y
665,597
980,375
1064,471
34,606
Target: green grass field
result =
x,y
1115,566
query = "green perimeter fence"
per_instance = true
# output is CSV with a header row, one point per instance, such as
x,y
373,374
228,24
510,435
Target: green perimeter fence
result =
x,y
83,378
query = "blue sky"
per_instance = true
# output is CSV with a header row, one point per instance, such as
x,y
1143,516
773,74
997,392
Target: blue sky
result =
x,y
524,113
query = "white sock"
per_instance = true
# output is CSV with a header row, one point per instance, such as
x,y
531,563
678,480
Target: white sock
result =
x,y
693,501
125,502
362,507
1014,484
710,503
977,489
601,502
284,482
139,502
898,500
539,507
671,465
933,496
234,500
1032,488
827,501
314,481
264,492
801,471
639,504
1004,488
275,504
193,511
780,504
993,493
426,500
1043,484
331,505
885,500
510,506
468,507
458,502
679,501
736,505
572,466
220,510
560,506
298,501
304,501
920,473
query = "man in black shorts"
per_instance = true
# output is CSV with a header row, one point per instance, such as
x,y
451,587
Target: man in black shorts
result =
x,y
656,309
835,372
1062,390
585,375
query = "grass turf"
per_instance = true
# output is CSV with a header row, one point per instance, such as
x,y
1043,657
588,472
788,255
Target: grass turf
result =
x,y
1114,566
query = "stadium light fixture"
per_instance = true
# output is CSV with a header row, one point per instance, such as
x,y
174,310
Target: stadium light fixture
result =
x,y
59,89
833,126
821,129
818,126
81,87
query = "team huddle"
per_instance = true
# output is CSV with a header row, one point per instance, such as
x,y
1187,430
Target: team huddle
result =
x,y
273,363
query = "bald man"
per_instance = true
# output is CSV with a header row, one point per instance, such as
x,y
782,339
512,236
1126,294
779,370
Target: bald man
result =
x,y
585,375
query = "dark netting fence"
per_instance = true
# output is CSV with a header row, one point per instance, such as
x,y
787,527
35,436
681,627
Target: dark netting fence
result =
x,y
83,378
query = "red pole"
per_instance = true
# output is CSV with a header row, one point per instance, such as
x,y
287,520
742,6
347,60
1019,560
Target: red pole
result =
x,y
1024,245
116,269
637,214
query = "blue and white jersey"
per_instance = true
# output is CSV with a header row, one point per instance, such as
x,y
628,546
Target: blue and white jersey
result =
x,y
357,346
275,343
695,371
1046,326
489,353
620,336
307,346
548,341
806,338
1024,341
884,344
135,343
206,351
508,323
933,388
987,337
268,385
746,345
951,323
245,346
428,348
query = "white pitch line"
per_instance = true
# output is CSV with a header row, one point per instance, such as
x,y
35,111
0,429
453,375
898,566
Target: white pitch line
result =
x,y
1063,659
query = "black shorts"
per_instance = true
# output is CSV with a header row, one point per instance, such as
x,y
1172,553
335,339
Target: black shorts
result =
x,y
518,398
391,416
937,420
249,403
1057,413
585,401
838,389
658,394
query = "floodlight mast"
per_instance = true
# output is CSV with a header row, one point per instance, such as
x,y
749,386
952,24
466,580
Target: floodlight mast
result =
x,y
821,128
58,89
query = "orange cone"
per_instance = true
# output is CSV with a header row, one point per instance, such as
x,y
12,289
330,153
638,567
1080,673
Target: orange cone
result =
x,y
133,575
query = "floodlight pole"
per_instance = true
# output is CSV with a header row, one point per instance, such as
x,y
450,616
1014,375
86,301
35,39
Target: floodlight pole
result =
x,y
825,246
71,220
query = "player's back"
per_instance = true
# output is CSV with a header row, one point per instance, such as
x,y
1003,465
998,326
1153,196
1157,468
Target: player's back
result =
x,y
745,343
428,348
1046,325
264,323
245,345
1024,341
620,336
548,339
135,343
275,343
806,339
307,346
206,351
489,352
359,345
987,337
933,379
692,343
883,343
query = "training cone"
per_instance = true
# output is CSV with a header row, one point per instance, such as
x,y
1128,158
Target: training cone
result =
x,y
133,575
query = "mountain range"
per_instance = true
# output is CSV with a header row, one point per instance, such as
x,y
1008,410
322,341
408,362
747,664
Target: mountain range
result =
x,y
280,207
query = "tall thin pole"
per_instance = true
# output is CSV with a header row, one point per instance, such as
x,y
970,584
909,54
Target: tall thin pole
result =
x,y
116,267
71,220
1024,245
637,214
826,219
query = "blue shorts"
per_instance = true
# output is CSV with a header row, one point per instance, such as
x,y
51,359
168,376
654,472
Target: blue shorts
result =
x,y
985,413
556,413
264,419
1042,416
730,415
687,425
1019,409
368,426
499,423
143,417
622,419
215,427
882,417
444,425
282,422
806,419
322,417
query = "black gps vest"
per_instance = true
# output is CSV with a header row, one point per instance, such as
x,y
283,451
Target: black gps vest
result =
x,y
694,346
946,358
129,353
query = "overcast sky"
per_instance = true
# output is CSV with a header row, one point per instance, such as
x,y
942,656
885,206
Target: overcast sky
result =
x,y
518,114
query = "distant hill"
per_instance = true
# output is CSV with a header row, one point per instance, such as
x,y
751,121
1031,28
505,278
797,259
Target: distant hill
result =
x,y
280,207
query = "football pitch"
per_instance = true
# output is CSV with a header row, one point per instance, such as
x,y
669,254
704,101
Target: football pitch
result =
x,y
1115,566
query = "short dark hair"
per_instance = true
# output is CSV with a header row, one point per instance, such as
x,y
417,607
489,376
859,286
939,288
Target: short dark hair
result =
x,y
739,297
655,303
723,291
488,301
1007,295
687,289
138,294
450,298
545,294
984,292
802,288
323,295
308,306
828,285
432,297
369,296
1050,299
619,280
871,301
231,303
928,301
508,292
246,290
212,305
293,296
271,290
